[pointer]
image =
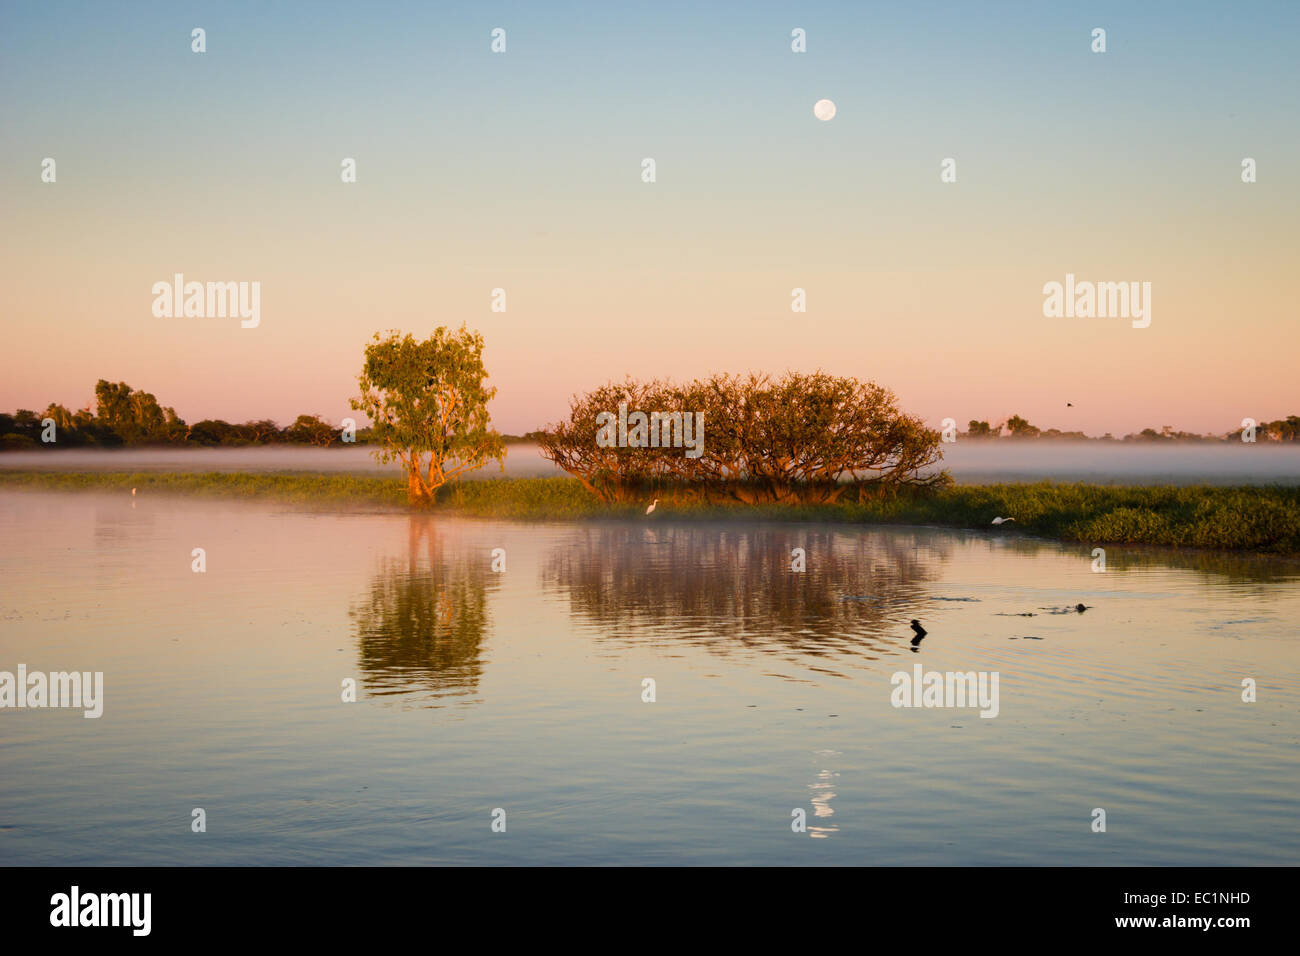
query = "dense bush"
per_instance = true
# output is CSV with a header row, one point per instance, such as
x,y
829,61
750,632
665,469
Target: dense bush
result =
x,y
800,438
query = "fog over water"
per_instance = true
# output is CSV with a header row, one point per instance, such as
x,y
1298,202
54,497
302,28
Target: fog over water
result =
x,y
522,461
971,462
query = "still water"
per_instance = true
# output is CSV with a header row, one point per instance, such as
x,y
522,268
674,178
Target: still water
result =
x,y
522,690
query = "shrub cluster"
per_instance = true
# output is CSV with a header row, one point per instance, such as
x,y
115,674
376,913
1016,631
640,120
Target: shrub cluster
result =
x,y
813,438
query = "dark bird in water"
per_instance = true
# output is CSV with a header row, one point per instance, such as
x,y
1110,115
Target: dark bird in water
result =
x,y
1069,404
920,632
1081,608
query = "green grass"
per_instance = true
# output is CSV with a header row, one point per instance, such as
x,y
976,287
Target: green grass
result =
x,y
1257,519
304,488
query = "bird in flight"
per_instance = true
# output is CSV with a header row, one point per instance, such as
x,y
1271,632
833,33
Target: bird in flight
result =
x,y
1002,520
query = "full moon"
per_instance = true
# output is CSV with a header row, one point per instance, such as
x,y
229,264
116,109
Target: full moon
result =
x,y
824,110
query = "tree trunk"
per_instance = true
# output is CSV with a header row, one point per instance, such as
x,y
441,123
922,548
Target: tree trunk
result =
x,y
414,486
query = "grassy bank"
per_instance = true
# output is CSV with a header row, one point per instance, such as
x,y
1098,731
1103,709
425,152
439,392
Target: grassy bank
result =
x,y
1257,519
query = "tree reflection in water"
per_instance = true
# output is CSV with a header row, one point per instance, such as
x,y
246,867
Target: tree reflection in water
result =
x,y
420,628
733,589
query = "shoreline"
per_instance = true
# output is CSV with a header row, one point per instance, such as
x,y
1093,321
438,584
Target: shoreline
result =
x,y
1259,519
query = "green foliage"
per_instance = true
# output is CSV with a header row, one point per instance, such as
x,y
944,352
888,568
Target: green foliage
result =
x,y
312,430
135,416
1020,427
212,432
1263,520
341,490
126,416
1284,429
527,438
429,398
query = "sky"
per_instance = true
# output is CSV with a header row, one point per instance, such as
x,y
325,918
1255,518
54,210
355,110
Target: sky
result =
x,y
522,171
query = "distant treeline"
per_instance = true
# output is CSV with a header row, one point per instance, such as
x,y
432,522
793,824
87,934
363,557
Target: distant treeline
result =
x,y
122,416
1015,427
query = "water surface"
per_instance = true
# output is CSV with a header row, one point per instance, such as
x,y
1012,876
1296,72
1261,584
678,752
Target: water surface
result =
x,y
522,690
